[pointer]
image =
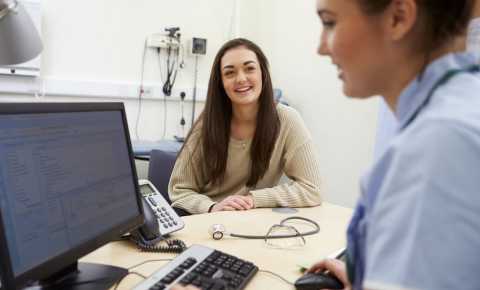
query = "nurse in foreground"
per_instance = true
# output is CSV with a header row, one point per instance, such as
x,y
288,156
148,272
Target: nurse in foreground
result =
x,y
417,223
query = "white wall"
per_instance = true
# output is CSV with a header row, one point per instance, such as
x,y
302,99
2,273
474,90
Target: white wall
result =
x,y
101,42
343,129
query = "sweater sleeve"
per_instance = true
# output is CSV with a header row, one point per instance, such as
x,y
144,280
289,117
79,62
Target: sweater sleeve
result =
x,y
186,182
303,190
300,164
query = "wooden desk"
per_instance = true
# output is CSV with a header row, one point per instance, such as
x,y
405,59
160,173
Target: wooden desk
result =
x,y
333,221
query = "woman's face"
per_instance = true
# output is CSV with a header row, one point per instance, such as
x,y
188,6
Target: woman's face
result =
x,y
241,76
355,43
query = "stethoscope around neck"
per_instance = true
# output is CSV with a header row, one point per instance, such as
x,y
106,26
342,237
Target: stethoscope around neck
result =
x,y
354,236
218,231
443,80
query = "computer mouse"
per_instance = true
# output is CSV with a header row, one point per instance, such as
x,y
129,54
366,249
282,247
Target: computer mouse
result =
x,y
317,281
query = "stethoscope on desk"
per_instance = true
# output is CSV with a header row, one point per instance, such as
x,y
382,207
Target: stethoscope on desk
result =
x,y
218,231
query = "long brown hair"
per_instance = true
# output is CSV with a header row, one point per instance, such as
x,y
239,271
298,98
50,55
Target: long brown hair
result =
x,y
216,118
442,20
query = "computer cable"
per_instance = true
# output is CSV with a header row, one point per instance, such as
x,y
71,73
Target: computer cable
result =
x,y
128,274
136,273
276,275
148,261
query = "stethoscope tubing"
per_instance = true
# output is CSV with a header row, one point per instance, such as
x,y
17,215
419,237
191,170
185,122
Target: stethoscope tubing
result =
x,y
263,237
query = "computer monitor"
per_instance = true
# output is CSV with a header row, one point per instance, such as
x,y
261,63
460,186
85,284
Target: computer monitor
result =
x,y
68,186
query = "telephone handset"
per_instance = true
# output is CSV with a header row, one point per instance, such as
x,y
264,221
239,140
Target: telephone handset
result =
x,y
160,220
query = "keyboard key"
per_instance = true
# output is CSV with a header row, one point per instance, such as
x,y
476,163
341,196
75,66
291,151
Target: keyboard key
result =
x,y
188,263
177,273
197,282
245,270
167,279
209,271
187,279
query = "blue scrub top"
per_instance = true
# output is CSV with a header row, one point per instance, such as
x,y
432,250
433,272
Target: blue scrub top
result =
x,y
417,223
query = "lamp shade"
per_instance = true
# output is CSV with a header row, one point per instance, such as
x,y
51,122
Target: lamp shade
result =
x,y
19,39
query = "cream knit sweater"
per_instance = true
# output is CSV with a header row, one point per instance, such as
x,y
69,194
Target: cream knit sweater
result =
x,y
294,155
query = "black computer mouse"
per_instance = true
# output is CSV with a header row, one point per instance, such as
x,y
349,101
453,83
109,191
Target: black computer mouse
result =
x,y
317,281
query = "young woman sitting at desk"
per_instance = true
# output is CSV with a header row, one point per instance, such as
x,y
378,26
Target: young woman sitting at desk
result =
x,y
243,141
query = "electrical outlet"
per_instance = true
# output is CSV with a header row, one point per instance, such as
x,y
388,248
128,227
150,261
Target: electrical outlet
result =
x,y
147,92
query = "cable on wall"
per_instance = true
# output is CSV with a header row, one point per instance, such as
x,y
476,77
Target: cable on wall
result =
x,y
233,21
164,100
140,91
194,95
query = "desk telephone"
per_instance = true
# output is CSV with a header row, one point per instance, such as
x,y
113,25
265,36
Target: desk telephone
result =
x,y
160,220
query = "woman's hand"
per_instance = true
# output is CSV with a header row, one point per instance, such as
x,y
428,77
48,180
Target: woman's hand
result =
x,y
234,202
336,267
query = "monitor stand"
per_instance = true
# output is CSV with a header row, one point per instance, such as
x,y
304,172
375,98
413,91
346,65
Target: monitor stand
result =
x,y
82,276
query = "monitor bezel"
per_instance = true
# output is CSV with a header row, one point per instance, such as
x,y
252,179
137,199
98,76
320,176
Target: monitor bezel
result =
x,y
52,266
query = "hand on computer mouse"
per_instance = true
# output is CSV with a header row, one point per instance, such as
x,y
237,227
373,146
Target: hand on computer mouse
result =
x,y
336,267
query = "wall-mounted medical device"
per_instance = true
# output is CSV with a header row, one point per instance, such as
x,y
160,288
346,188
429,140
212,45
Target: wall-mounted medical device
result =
x,y
198,46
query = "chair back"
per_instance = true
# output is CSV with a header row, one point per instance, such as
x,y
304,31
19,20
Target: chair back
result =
x,y
160,169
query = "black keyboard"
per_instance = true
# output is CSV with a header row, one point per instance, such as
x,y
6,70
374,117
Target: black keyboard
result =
x,y
206,268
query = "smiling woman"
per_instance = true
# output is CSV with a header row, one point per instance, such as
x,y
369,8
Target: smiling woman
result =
x,y
243,142
242,78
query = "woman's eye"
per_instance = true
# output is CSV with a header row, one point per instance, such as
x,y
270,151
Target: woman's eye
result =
x,y
250,68
228,73
328,24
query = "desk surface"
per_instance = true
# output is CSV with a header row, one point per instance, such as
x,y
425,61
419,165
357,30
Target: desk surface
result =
x,y
332,219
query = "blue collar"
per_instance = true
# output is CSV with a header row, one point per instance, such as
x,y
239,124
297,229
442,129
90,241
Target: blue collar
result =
x,y
417,93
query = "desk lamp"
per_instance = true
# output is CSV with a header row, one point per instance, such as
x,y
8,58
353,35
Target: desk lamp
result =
x,y
19,39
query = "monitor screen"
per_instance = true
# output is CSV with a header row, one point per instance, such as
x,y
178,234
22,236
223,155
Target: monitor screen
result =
x,y
67,184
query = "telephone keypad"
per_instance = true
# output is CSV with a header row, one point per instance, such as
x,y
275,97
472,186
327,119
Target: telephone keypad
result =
x,y
167,218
